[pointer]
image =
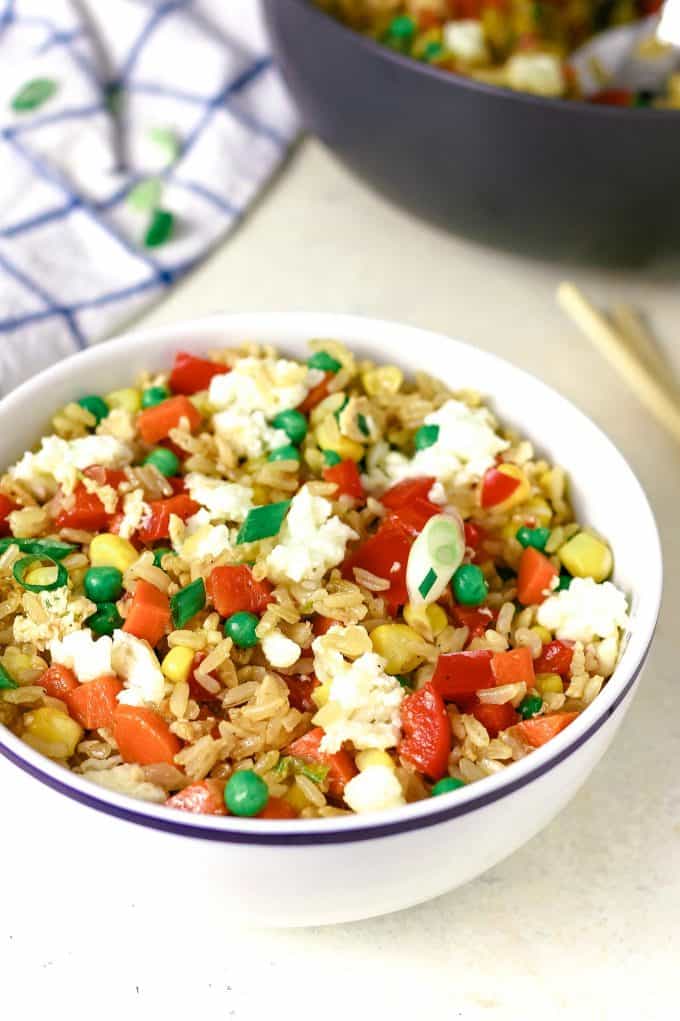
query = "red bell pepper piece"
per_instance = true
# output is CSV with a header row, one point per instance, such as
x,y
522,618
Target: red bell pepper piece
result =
x,y
190,374
474,534
322,624
149,615
6,508
427,732
346,477
205,797
476,619
196,689
534,578
317,394
300,690
155,423
385,554
461,674
93,703
84,510
157,523
613,97
494,717
341,764
58,681
105,476
496,487
513,666
232,589
404,493
555,658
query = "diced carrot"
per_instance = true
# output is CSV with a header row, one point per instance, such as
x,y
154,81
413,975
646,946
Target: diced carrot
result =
x,y
316,394
540,729
58,681
494,717
149,615
205,797
143,736
93,703
277,808
155,423
341,764
513,666
534,577
156,525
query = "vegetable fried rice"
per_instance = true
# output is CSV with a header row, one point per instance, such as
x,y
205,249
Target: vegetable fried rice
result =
x,y
272,588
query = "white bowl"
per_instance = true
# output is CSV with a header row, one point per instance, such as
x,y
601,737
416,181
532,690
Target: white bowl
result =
x,y
317,872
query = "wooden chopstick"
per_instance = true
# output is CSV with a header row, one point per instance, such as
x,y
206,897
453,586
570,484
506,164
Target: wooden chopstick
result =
x,y
639,337
645,382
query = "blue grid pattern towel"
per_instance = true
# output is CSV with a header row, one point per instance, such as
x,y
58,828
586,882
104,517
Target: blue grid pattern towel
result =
x,y
181,93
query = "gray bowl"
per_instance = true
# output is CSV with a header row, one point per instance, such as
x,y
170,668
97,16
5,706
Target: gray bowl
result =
x,y
564,179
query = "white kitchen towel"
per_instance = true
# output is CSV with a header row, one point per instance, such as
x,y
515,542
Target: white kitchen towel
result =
x,y
109,111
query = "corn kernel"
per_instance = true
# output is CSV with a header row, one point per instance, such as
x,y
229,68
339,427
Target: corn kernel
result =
x,y
428,621
542,633
539,509
321,694
385,380
52,732
41,575
328,437
546,683
191,546
373,757
585,556
108,550
177,664
401,647
128,400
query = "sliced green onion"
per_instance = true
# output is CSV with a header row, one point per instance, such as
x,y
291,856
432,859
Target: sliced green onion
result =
x,y
52,548
363,425
263,522
292,764
186,603
322,360
434,557
23,567
6,682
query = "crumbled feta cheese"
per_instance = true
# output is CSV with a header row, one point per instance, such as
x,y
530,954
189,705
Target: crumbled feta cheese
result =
x,y
247,432
206,540
584,611
224,501
64,614
466,41
373,790
607,652
466,446
127,778
80,652
363,701
135,510
310,541
437,493
540,73
136,664
280,650
269,385
62,459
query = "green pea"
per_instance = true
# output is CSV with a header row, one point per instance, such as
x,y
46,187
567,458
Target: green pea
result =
x,y
105,620
529,706
240,627
96,405
153,396
245,793
287,453
331,458
103,584
161,552
449,783
293,423
469,585
536,537
402,27
426,437
164,460
322,360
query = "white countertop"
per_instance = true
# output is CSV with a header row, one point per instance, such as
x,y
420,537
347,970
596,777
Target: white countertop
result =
x,y
584,921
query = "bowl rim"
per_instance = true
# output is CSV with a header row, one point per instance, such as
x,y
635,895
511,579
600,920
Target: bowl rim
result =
x,y
420,815
431,70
